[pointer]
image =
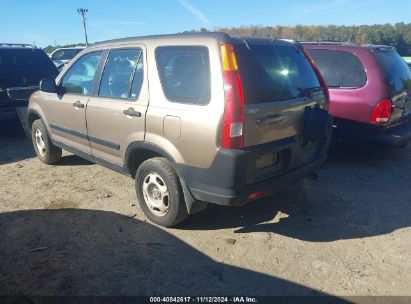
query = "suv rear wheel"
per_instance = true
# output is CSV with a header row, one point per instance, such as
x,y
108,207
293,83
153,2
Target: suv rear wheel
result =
x,y
159,192
45,150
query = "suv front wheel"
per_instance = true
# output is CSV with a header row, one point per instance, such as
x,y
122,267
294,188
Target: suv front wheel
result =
x,y
159,192
45,150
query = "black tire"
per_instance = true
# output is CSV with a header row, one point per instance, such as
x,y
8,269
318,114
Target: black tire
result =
x,y
177,210
50,154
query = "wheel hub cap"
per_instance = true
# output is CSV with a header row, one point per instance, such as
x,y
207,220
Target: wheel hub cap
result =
x,y
156,194
41,146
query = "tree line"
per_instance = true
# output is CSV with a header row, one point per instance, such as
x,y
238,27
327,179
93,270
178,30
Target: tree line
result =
x,y
397,35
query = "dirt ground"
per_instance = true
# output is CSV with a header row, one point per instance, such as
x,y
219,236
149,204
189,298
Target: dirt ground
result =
x,y
76,229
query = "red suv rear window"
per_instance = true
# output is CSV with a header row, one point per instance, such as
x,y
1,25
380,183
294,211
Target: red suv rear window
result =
x,y
340,69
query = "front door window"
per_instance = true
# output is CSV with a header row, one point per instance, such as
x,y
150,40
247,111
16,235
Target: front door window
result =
x,y
80,78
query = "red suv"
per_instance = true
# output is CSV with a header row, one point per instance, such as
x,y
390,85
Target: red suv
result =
x,y
370,91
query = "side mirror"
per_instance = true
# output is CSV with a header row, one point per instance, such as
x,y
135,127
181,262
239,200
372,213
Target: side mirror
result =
x,y
48,85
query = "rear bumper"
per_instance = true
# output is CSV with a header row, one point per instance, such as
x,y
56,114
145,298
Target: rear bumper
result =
x,y
234,176
394,137
231,197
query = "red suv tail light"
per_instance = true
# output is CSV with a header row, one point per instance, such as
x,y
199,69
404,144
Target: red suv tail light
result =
x,y
382,112
233,122
319,76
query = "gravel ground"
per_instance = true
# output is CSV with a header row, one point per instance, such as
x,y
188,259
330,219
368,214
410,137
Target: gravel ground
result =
x,y
76,229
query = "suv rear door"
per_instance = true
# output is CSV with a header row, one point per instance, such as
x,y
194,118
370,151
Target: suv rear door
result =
x,y
278,83
116,115
398,76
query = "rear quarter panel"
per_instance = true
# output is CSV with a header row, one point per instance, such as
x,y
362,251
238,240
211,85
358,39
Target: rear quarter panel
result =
x,y
199,138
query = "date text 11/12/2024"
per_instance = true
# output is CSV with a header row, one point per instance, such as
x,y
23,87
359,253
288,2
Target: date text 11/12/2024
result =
x,y
235,299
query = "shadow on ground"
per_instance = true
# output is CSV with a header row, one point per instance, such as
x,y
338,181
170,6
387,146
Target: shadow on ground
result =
x,y
14,145
73,160
359,193
90,252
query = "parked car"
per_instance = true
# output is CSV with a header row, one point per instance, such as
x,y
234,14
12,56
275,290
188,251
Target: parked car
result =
x,y
62,56
370,91
22,66
193,118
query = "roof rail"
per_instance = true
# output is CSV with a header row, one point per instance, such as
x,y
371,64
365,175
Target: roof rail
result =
x,y
380,47
18,44
328,42
370,46
219,35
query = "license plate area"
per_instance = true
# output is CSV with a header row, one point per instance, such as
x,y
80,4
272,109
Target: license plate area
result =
x,y
267,160
271,163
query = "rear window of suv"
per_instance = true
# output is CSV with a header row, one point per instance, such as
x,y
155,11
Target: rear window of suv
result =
x,y
396,69
340,69
24,66
273,71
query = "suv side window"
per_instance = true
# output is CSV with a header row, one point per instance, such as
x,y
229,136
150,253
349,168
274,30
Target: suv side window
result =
x,y
123,74
57,55
79,78
185,73
138,78
340,69
64,54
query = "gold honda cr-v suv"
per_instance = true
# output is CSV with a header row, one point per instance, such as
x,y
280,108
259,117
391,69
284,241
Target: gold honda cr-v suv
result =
x,y
194,118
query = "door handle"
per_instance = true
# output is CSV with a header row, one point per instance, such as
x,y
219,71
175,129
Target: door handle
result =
x,y
132,112
78,104
271,119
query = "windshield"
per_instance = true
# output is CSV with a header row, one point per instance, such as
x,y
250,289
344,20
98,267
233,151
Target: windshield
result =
x,y
396,69
272,72
24,67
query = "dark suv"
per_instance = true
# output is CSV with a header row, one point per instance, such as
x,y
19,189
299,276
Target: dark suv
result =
x,y
22,66
370,91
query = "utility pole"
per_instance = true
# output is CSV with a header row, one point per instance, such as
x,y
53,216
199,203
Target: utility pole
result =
x,y
82,12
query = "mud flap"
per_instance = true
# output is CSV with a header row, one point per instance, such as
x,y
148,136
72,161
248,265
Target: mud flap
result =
x,y
193,206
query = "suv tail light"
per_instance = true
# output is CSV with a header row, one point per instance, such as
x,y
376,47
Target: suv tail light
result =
x,y
233,122
382,112
319,76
